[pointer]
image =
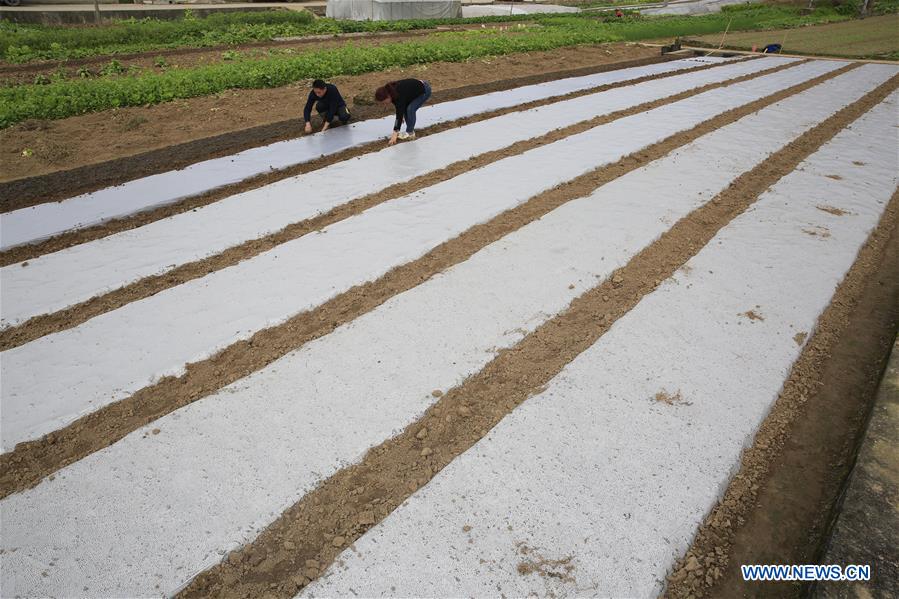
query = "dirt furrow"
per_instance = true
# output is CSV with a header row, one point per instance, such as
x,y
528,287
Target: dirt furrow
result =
x,y
805,447
62,184
32,461
75,315
308,536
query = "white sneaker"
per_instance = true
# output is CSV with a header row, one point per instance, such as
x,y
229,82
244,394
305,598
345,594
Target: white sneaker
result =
x,y
406,135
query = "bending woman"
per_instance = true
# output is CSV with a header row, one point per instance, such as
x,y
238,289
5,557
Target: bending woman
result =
x,y
407,95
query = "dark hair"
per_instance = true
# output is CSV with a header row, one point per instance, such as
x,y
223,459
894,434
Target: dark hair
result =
x,y
386,91
319,84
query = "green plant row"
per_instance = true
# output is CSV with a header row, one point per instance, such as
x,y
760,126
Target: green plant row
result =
x,y
24,43
63,98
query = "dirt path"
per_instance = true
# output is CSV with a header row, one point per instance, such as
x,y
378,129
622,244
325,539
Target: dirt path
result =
x,y
807,449
777,507
100,137
307,538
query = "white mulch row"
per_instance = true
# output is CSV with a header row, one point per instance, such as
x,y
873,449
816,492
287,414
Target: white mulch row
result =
x,y
46,284
35,223
155,509
52,381
596,471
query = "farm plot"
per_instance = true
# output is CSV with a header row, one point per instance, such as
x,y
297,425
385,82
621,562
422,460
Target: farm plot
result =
x,y
43,220
126,349
530,372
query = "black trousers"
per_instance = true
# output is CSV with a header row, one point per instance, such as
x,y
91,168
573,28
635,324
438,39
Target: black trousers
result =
x,y
342,113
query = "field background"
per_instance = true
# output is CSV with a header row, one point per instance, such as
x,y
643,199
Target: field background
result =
x,y
875,37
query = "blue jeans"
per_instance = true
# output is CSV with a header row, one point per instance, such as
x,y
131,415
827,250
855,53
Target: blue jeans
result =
x,y
414,105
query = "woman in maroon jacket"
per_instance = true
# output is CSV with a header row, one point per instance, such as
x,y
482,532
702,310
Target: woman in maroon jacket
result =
x,y
407,96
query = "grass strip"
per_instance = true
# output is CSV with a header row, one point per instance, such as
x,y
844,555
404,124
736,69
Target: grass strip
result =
x,y
21,43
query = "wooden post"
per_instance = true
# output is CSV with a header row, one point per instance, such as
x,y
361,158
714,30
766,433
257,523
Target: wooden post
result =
x,y
97,11
863,12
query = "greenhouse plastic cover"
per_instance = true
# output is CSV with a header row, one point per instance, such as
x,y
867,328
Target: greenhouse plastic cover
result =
x,y
392,10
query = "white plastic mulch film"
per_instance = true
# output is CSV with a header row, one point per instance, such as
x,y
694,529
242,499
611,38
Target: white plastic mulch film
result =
x,y
393,10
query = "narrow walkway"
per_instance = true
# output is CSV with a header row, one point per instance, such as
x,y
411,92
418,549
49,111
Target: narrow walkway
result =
x,y
867,527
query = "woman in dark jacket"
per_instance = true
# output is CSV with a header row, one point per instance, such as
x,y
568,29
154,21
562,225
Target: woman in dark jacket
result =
x,y
407,96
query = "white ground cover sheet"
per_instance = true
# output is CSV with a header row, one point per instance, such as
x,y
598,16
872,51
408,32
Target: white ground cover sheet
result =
x,y
46,284
156,509
35,223
51,381
597,470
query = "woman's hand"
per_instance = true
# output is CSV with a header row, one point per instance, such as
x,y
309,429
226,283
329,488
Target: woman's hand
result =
x,y
392,138
308,127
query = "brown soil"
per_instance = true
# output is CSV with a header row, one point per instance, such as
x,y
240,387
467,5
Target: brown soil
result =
x,y
817,232
80,236
102,136
777,507
534,563
832,210
50,323
30,462
671,399
301,544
